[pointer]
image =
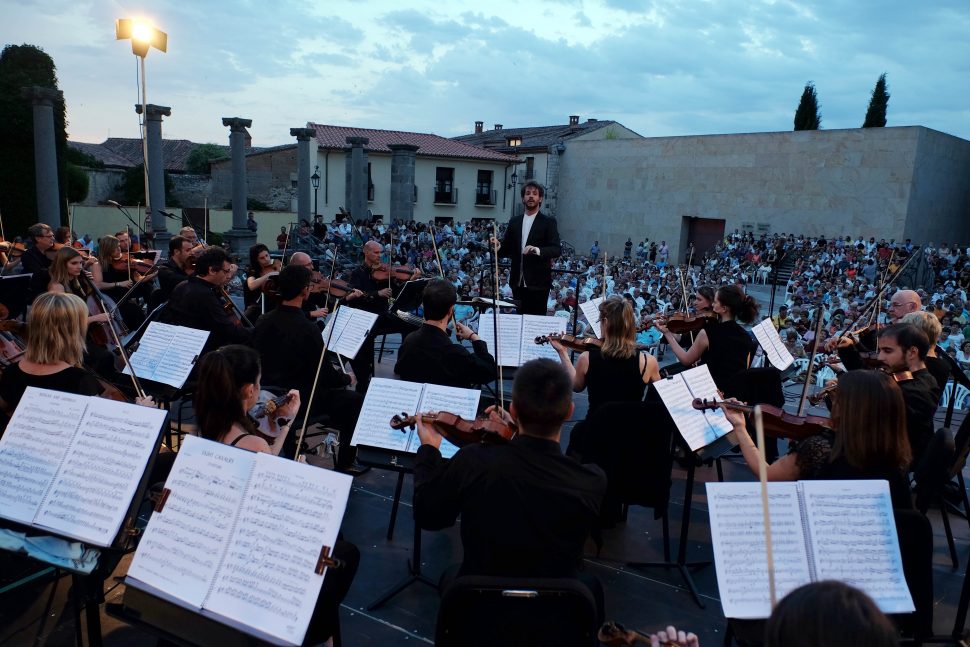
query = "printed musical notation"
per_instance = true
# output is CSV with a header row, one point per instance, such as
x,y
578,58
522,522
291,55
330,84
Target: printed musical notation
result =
x,y
350,327
591,309
698,428
517,334
167,353
72,463
775,349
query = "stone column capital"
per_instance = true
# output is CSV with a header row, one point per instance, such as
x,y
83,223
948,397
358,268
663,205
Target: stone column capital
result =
x,y
411,148
303,134
42,96
154,112
237,124
358,142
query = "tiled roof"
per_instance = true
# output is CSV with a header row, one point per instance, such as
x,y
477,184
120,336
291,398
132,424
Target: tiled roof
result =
x,y
537,137
124,152
335,137
104,155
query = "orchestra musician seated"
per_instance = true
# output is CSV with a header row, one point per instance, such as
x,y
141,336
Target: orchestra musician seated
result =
x,y
256,298
526,509
938,367
289,345
200,302
868,439
117,278
229,386
174,269
428,354
35,261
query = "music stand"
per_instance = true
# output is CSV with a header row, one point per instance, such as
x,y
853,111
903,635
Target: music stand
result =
x,y
411,294
13,293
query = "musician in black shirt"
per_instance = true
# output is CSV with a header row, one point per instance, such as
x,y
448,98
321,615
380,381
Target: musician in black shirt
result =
x,y
172,271
428,354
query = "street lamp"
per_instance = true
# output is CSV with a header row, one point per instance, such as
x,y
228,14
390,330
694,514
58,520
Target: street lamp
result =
x,y
315,182
515,180
143,36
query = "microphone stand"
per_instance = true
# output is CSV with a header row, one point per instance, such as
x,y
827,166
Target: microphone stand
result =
x,y
120,208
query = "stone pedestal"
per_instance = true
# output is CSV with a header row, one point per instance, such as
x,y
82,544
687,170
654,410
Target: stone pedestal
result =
x,y
239,237
45,153
403,158
155,200
303,138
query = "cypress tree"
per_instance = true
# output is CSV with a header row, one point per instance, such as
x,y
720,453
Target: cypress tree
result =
x,y
807,116
878,103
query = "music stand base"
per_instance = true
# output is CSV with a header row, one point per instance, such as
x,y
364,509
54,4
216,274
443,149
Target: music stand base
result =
x,y
414,577
685,574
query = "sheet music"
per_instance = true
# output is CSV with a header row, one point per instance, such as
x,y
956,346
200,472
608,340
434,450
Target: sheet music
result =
x,y
737,534
350,328
509,337
179,553
591,309
100,473
772,344
267,578
167,353
386,398
698,428
537,325
461,402
33,447
853,537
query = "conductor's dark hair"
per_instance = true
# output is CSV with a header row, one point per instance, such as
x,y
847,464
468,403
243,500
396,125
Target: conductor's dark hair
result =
x,y
175,244
291,281
439,295
218,404
213,257
533,183
908,336
829,613
542,394
742,306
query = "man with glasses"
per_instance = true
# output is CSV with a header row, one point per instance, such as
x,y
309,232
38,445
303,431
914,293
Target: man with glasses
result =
x,y
35,261
199,302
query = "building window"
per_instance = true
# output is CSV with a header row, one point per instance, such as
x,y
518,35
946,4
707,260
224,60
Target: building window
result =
x,y
444,186
514,141
530,168
370,185
484,194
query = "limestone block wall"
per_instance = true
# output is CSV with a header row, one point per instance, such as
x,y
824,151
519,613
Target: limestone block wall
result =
x,y
880,182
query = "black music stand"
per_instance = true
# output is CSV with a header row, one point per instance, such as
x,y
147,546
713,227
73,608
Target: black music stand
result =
x,y
411,294
13,293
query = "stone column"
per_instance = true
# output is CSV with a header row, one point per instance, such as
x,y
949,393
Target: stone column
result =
x,y
155,200
357,199
303,137
45,153
403,158
239,237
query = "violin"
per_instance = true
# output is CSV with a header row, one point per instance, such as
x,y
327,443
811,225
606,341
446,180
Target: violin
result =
x,y
265,409
615,634
127,263
579,344
832,390
333,287
385,272
458,431
13,250
680,323
778,423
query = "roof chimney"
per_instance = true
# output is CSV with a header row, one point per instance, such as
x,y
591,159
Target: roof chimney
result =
x,y
248,139
591,120
498,126
573,120
478,127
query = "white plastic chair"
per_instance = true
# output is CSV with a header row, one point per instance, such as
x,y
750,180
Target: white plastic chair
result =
x,y
823,375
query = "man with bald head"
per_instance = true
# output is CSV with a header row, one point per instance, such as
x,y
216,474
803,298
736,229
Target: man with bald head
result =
x,y
373,296
902,303
316,303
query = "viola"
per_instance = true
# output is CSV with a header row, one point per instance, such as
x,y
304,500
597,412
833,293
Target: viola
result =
x,y
263,410
778,423
333,287
458,431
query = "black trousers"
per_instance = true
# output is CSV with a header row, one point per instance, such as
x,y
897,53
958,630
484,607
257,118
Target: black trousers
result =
x,y
532,301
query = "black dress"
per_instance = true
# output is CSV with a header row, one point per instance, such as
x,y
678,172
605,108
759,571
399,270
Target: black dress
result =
x,y
609,379
13,383
729,347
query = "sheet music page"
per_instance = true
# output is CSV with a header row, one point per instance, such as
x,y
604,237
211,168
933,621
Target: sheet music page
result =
x,y
267,579
591,309
509,337
350,330
772,344
166,353
701,384
183,544
737,534
461,402
32,448
538,325
692,424
853,538
101,472
386,398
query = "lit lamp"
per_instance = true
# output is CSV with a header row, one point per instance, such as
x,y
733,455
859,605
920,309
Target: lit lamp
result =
x,y
143,35
315,183
515,180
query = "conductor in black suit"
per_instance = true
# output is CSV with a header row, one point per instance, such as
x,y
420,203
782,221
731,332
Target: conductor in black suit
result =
x,y
532,243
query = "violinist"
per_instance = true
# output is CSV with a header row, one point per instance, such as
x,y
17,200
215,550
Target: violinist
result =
x,y
174,269
289,345
428,354
199,302
373,296
901,304
117,278
724,346
930,325
54,355
316,304
229,386
869,439
258,297
526,509
902,348
40,238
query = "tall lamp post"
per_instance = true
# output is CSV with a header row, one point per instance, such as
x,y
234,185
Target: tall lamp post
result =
x,y
143,36
514,183
315,183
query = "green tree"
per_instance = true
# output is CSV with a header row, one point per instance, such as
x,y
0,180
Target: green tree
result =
x,y
76,182
133,187
23,66
807,117
202,156
878,103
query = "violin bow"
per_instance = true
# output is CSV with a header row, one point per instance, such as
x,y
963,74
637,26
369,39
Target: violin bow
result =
x,y
498,363
811,363
437,256
114,333
286,242
333,268
313,389
149,274
765,514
